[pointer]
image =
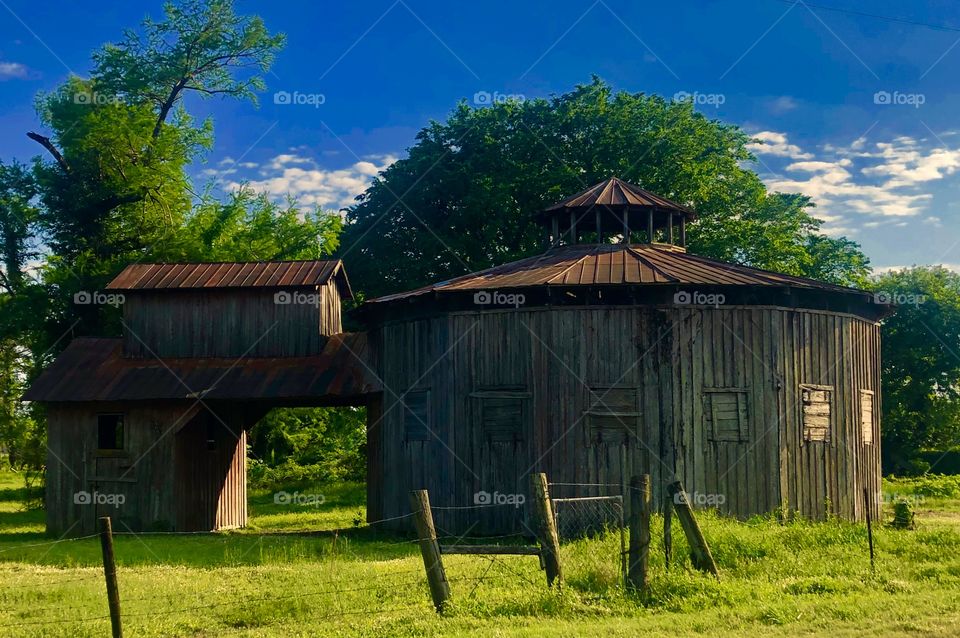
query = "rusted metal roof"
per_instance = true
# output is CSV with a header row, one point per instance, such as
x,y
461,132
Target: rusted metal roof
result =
x,y
618,194
616,264
253,274
94,369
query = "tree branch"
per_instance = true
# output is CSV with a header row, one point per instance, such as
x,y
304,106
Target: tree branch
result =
x,y
47,144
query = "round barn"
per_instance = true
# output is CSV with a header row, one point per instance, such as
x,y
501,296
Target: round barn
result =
x,y
618,353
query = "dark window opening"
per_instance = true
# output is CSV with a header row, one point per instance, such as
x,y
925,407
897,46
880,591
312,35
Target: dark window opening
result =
x,y
110,431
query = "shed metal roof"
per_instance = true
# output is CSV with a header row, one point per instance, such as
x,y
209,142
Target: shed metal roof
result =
x,y
616,264
254,274
94,369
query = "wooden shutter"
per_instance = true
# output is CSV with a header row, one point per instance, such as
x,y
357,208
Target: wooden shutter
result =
x,y
725,410
866,416
502,413
416,415
614,414
817,412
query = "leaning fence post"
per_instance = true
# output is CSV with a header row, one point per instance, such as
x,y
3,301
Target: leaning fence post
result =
x,y
110,574
700,551
546,528
430,548
639,532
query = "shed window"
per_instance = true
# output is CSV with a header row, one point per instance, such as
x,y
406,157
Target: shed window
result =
x,y
816,401
866,416
613,415
725,410
416,415
110,431
502,413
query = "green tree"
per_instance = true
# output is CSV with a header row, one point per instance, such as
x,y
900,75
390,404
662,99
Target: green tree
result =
x,y
116,188
921,365
463,199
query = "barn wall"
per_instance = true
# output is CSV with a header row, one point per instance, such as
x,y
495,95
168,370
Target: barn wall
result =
x,y
152,473
230,323
563,365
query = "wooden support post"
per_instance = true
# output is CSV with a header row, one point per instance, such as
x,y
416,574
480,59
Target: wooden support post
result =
x,y
667,531
650,237
573,228
866,504
639,532
683,231
670,226
546,528
700,551
110,574
430,548
555,234
626,228
596,216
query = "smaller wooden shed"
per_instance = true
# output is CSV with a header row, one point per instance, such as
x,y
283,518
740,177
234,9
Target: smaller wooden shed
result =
x,y
150,428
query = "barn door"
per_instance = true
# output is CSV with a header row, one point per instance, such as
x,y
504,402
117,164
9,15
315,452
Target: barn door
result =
x,y
504,426
613,431
196,496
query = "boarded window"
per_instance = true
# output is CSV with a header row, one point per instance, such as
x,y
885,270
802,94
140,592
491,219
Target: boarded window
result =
x,y
866,416
502,413
109,431
725,410
816,400
416,415
614,415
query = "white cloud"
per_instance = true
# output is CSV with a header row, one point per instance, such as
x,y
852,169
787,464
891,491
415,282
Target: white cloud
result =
x,y
880,181
776,144
295,174
782,104
13,70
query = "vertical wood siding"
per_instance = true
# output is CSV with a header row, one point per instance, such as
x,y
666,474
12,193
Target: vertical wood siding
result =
x,y
230,323
566,361
168,475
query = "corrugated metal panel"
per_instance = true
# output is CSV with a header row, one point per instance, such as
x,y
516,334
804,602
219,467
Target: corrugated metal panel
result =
x,y
94,369
617,264
260,274
616,193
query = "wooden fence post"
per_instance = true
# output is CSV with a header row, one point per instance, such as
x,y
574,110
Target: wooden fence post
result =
x,y
110,574
700,551
546,528
639,532
430,548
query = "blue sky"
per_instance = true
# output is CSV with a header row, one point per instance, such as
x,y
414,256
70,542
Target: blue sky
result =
x,y
858,111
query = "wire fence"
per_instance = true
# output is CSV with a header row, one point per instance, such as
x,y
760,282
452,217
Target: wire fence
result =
x,y
384,593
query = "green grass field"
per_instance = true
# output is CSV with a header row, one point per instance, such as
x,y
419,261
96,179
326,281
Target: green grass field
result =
x,y
269,580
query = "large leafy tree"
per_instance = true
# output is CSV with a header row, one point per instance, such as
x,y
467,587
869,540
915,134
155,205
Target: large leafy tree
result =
x,y
921,365
464,197
115,187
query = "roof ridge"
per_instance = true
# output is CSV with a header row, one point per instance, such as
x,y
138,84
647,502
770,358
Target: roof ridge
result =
x,y
651,265
568,268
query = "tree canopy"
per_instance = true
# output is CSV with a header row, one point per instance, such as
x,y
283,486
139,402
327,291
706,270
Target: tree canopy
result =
x,y
921,365
464,198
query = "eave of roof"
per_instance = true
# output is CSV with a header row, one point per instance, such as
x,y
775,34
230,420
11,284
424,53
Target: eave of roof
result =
x,y
616,264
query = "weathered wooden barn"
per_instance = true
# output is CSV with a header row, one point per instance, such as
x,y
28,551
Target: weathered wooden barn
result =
x,y
151,428
617,353
614,353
